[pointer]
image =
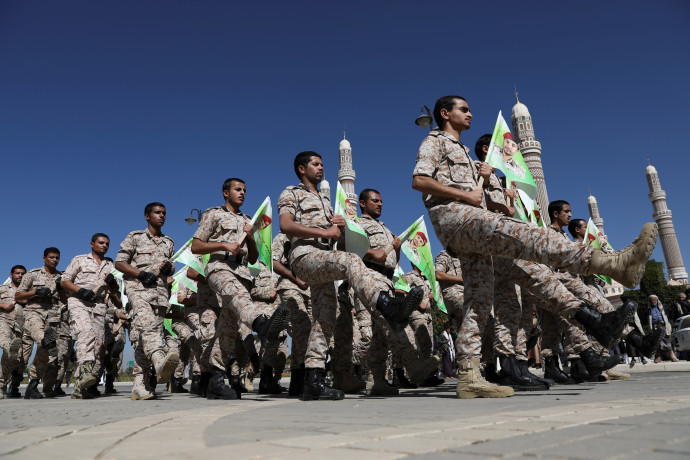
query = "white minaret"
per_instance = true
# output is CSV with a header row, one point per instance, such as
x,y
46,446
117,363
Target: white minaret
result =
x,y
594,213
667,234
346,175
531,152
325,189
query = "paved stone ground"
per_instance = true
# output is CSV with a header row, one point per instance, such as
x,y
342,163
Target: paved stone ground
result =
x,y
646,417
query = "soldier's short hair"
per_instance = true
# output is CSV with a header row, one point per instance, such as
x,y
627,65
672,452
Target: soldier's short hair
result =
x,y
149,207
446,102
51,250
228,183
99,235
364,195
556,207
302,159
575,223
481,142
17,267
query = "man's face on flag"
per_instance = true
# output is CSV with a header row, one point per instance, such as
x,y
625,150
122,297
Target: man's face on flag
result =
x,y
509,148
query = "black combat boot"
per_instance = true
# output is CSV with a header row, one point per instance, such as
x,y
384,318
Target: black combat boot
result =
x,y
32,390
402,381
315,387
607,327
194,388
268,384
93,390
597,364
236,384
115,351
176,386
397,310
524,369
432,381
553,371
269,329
49,341
217,389
646,344
13,386
578,371
203,384
489,372
296,381
57,391
109,383
511,376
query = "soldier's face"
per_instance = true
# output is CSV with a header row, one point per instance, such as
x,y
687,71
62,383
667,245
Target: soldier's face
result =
x,y
51,260
157,216
17,275
374,205
235,195
563,217
101,245
313,171
459,116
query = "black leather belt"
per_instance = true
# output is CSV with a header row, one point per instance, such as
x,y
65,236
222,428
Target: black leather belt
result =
x,y
387,272
226,256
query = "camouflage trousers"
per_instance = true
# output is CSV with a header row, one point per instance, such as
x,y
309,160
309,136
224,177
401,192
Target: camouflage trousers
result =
x,y
109,339
148,321
36,321
273,356
207,329
362,341
300,323
9,331
88,330
420,332
319,269
507,315
454,298
142,363
182,343
525,327
404,350
343,333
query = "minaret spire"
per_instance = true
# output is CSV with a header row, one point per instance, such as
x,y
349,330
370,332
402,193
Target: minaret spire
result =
x,y
346,175
667,233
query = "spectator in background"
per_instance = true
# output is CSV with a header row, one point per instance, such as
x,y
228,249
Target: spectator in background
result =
x,y
656,317
447,349
683,305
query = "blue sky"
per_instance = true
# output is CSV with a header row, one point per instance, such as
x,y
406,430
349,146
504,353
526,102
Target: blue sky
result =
x,y
107,106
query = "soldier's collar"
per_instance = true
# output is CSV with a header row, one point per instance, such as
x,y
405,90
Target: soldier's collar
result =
x,y
152,236
238,213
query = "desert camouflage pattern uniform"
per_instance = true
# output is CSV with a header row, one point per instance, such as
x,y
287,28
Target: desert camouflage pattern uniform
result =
x,y
65,342
87,319
208,307
120,334
296,299
11,328
420,331
39,315
264,294
191,328
315,262
453,294
475,234
230,279
343,334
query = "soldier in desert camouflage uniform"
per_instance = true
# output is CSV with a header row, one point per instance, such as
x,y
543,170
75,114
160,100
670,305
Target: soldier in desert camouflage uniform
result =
x,y
144,260
88,279
449,182
42,294
226,234
11,329
294,294
309,221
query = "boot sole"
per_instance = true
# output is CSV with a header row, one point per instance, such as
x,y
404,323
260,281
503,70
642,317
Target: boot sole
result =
x,y
279,322
319,398
168,367
653,232
143,398
50,339
418,378
473,395
118,347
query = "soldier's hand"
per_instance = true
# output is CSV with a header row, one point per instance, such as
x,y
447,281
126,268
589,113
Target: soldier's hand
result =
x,y
58,288
423,306
485,170
332,233
233,248
86,294
379,255
338,220
396,243
148,279
301,284
111,282
166,269
511,193
42,292
474,197
248,229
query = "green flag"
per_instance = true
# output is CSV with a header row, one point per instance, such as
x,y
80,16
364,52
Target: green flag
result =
x,y
504,155
356,239
593,237
263,235
398,280
185,256
415,245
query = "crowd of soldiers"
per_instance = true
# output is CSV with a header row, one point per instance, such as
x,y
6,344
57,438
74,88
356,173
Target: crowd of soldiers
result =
x,y
342,312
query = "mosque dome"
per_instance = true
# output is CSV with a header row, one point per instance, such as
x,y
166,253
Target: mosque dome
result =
x,y
520,110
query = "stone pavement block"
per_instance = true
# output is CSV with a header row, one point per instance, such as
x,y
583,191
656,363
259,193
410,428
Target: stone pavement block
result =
x,y
449,455
654,455
24,439
471,435
656,432
319,441
240,451
341,454
675,447
594,447
408,445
